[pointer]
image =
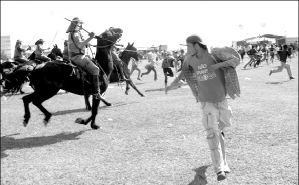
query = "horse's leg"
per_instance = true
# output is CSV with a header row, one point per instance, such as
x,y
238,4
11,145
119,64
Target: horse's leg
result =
x,y
26,100
127,87
40,98
94,112
87,103
134,87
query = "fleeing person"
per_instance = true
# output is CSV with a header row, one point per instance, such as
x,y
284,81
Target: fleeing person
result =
x,y
211,76
283,55
151,66
167,63
135,66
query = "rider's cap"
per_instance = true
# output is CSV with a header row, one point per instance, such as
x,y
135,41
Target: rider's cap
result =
x,y
195,39
39,41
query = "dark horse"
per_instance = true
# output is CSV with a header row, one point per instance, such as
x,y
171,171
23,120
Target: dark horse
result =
x,y
55,53
14,76
48,78
18,74
129,52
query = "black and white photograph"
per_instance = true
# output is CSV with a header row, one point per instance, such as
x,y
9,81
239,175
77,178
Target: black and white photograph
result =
x,y
149,92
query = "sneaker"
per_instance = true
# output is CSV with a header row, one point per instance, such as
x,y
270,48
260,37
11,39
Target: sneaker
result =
x,y
221,176
270,73
291,78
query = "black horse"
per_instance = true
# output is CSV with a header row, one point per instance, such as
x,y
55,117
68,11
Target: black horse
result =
x,y
48,78
14,76
55,53
129,52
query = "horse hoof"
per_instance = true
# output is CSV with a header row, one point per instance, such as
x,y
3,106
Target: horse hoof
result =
x,y
80,121
47,119
95,127
126,93
109,104
25,123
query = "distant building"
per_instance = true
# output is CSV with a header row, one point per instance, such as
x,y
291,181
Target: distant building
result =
x,y
5,46
163,48
287,40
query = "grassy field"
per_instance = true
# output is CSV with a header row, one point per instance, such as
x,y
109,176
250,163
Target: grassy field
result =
x,y
157,139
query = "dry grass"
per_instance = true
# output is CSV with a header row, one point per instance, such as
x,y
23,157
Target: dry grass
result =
x,y
156,140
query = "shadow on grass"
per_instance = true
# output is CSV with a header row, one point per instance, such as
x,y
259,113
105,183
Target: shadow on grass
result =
x,y
63,112
10,143
117,104
200,177
139,83
275,83
151,90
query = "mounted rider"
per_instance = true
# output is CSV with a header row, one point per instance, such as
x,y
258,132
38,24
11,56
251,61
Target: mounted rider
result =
x,y
19,55
39,51
76,50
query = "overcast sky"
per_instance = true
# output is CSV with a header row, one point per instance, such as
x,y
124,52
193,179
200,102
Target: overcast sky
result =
x,y
150,23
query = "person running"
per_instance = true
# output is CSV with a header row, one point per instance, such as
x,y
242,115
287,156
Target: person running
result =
x,y
272,53
212,76
283,55
241,51
252,55
135,67
151,66
167,63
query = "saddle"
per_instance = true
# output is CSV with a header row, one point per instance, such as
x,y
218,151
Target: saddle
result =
x,y
79,73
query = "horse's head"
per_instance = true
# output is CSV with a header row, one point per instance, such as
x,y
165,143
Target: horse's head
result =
x,y
129,52
55,52
109,37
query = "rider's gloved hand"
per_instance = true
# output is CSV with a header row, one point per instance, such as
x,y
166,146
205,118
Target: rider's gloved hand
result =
x,y
91,34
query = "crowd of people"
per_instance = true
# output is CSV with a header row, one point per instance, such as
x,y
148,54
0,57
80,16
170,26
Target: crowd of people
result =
x,y
268,53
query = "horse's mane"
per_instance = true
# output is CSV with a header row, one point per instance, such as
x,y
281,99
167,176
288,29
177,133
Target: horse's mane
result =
x,y
105,42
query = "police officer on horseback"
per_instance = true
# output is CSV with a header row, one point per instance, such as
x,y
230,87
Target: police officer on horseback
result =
x,y
39,51
19,55
76,48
